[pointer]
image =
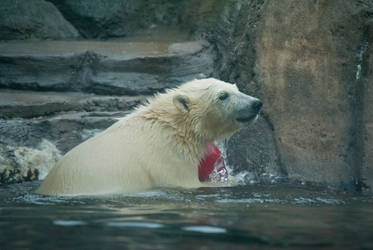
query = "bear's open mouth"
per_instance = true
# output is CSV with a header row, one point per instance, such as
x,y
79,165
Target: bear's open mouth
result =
x,y
246,118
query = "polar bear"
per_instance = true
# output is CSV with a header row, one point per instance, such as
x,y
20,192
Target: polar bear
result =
x,y
160,144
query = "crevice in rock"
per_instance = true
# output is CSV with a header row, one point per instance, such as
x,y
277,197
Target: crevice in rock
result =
x,y
282,168
357,145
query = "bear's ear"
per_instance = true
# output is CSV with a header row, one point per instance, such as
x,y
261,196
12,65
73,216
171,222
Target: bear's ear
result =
x,y
181,102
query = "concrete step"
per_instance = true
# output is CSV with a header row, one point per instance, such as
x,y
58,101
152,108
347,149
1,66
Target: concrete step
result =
x,y
105,67
31,104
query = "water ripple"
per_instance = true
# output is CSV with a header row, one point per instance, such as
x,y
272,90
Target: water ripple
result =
x,y
205,229
134,224
317,200
250,200
45,200
69,223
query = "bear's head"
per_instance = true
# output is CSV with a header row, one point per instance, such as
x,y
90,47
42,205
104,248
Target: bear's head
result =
x,y
216,109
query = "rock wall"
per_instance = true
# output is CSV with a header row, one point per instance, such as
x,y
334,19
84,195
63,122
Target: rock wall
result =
x,y
306,55
301,58
233,35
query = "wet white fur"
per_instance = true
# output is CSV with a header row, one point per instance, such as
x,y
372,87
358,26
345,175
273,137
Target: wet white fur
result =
x,y
159,144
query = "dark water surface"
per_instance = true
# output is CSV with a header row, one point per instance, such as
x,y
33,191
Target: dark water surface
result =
x,y
245,217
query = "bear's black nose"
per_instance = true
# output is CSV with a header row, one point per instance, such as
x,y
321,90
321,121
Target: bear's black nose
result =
x,y
256,105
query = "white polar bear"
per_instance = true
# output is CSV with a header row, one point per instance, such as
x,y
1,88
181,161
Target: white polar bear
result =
x,y
160,144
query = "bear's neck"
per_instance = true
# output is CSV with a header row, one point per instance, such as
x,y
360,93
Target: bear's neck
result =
x,y
182,127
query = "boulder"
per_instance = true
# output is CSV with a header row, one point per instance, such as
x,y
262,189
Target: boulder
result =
x,y
25,19
118,18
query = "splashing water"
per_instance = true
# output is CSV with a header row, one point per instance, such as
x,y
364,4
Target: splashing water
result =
x,y
363,49
39,159
241,178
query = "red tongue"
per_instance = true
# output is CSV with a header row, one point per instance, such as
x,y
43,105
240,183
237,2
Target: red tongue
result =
x,y
211,159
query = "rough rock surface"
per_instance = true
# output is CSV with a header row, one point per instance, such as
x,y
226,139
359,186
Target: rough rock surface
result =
x,y
33,104
118,18
306,57
24,19
253,150
233,35
301,59
102,67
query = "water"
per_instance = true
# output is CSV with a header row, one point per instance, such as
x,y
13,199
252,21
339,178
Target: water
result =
x,y
360,54
254,216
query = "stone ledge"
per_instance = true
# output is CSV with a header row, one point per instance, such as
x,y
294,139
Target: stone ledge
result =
x,y
108,67
31,104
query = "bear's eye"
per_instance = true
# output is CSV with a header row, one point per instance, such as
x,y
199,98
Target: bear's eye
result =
x,y
223,96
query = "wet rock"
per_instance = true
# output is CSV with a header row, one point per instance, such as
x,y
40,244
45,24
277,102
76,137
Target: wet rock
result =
x,y
24,19
233,35
253,150
120,68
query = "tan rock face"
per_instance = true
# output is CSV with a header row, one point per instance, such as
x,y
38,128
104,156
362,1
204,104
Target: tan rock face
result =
x,y
306,63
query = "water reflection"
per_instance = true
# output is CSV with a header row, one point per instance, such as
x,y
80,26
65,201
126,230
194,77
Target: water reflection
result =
x,y
205,229
209,218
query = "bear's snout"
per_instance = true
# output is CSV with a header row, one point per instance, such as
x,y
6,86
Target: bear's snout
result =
x,y
250,111
256,105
